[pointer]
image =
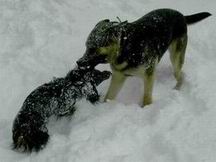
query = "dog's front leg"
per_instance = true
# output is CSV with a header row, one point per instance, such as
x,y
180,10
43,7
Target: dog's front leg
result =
x,y
148,86
116,84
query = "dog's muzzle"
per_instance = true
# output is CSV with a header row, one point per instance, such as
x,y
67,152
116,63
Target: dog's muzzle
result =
x,y
89,62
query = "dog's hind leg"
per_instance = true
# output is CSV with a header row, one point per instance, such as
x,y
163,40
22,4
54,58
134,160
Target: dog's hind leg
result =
x,y
116,84
177,55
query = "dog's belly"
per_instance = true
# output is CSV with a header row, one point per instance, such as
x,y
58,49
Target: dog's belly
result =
x,y
138,71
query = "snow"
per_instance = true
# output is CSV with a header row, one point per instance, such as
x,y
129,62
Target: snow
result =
x,y
43,38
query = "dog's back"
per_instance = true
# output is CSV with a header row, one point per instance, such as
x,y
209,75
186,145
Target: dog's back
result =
x,y
29,129
150,36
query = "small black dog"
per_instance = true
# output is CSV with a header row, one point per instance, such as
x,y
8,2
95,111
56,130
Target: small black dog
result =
x,y
58,98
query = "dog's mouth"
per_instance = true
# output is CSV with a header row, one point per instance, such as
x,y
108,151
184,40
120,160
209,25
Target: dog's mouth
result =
x,y
89,62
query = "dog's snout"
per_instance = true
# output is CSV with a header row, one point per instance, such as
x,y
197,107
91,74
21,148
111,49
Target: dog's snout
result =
x,y
80,63
90,60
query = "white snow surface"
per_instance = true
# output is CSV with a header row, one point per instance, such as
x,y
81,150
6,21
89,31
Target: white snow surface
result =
x,y
40,39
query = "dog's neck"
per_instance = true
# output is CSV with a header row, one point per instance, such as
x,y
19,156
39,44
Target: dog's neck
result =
x,y
116,49
113,51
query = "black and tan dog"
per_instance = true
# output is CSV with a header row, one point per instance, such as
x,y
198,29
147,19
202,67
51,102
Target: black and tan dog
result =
x,y
57,98
134,49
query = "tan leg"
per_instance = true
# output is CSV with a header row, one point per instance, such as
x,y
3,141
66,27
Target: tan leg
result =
x,y
116,84
149,77
177,55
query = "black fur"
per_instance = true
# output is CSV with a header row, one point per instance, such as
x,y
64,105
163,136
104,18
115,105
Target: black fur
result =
x,y
140,41
196,17
58,98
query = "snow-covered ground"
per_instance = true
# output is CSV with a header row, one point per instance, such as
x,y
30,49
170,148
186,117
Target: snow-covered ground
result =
x,y
40,39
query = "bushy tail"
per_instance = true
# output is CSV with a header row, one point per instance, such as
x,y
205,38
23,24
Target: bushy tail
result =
x,y
29,132
191,19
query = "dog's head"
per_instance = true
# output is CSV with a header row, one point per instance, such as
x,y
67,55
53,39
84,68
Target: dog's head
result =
x,y
97,76
93,78
79,75
85,80
101,43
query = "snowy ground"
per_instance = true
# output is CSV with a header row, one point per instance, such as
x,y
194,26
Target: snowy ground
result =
x,y
40,39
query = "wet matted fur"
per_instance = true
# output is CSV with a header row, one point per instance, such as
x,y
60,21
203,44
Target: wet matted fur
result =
x,y
58,98
134,49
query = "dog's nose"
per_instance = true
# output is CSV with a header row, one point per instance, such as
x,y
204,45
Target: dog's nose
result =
x,y
82,63
79,63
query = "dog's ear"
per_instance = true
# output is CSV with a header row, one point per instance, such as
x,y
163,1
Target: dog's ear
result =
x,y
101,34
99,76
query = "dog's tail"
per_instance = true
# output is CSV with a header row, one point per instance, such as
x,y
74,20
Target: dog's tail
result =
x,y
29,132
191,19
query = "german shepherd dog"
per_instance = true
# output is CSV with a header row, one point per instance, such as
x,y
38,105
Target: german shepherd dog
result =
x,y
134,49
56,98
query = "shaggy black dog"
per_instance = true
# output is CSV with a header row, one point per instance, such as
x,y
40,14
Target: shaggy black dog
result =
x,y
58,98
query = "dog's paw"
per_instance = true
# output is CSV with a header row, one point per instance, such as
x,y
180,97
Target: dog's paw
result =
x,y
146,101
